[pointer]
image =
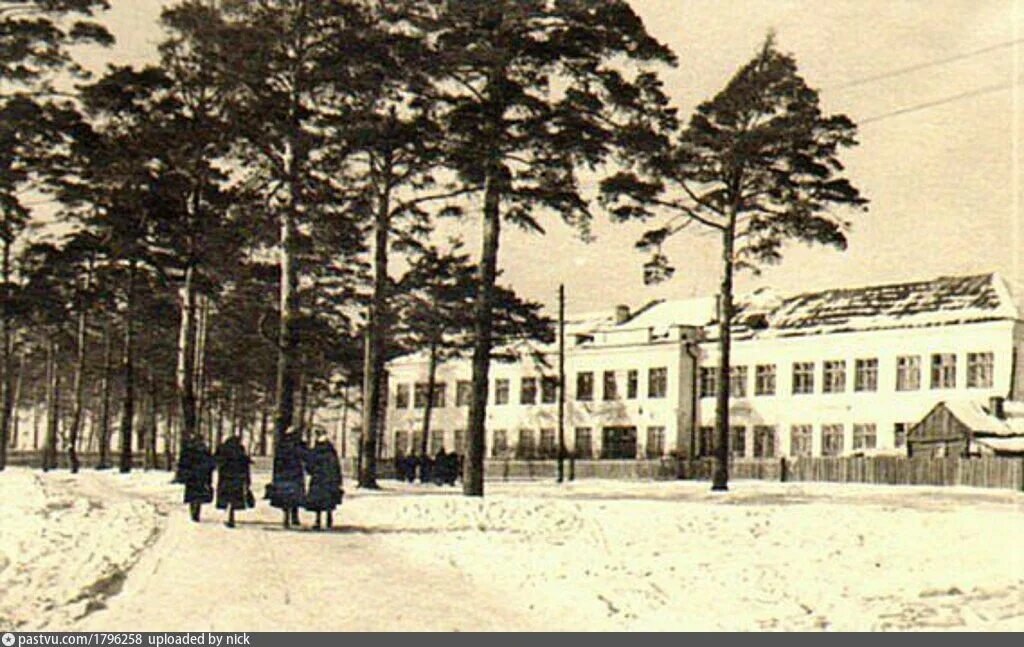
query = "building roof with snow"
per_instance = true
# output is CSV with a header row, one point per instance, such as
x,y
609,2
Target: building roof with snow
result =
x,y
946,300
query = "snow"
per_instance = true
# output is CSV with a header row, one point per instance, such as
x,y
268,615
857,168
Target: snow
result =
x,y
590,555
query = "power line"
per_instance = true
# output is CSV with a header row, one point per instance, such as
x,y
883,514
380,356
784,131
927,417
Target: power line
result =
x,y
923,66
939,102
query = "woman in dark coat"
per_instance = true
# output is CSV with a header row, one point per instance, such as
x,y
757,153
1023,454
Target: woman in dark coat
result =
x,y
233,478
287,490
324,469
195,471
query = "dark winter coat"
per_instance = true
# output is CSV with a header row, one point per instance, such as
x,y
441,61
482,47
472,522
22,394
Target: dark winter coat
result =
x,y
324,477
233,478
195,471
288,487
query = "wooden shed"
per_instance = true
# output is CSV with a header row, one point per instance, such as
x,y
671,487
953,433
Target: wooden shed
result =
x,y
969,428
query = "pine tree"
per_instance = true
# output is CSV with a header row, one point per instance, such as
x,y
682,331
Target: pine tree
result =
x,y
37,37
758,164
533,91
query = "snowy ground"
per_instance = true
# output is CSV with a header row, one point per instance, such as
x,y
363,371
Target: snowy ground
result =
x,y
102,551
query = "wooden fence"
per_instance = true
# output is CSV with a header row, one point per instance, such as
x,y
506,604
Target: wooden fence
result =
x,y
984,472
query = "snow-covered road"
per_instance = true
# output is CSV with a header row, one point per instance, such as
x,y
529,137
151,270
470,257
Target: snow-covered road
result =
x,y
588,555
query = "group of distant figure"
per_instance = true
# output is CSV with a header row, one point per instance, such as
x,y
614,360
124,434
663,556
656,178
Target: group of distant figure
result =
x,y
293,462
443,469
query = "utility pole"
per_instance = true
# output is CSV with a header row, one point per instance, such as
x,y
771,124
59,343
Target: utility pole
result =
x,y
561,383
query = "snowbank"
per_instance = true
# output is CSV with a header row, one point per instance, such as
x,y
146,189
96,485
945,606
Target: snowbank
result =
x,y
67,543
592,555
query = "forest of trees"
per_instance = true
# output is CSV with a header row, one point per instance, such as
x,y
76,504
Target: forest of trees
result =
x,y
245,232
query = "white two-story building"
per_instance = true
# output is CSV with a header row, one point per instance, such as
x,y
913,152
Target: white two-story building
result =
x,y
823,373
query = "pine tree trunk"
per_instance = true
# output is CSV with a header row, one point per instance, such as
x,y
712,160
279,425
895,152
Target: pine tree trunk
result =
x,y
300,415
128,373
429,409
78,389
473,483
376,345
170,435
152,424
105,388
52,407
263,429
6,351
720,479
185,375
15,424
287,341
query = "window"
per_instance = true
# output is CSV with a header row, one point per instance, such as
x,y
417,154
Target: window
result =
x,y
764,441
585,386
764,379
584,442
436,441
708,378
460,441
499,447
865,436
865,377
548,447
528,390
417,443
501,389
440,395
979,370
527,445
900,432
943,371
834,377
738,441
401,443
402,396
738,381
655,442
707,441
801,438
908,373
618,442
632,384
419,398
831,440
463,393
803,377
549,390
657,382
611,391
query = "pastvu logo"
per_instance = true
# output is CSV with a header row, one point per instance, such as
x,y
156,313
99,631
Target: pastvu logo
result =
x,y
8,639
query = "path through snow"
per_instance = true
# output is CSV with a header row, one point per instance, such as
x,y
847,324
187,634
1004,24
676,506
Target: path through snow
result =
x,y
589,555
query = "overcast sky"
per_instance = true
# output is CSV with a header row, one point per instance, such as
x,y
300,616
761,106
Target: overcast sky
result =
x,y
944,181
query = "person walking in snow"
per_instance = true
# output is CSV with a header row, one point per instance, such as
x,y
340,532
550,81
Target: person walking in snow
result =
x,y
287,490
325,480
233,478
195,471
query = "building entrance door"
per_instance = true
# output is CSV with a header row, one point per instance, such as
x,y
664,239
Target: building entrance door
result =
x,y
618,442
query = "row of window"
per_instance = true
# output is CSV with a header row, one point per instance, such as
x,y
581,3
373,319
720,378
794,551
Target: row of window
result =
x,y
412,443
542,443
980,374
801,439
532,389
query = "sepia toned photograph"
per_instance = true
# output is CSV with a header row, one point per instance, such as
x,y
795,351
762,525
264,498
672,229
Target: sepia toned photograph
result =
x,y
331,316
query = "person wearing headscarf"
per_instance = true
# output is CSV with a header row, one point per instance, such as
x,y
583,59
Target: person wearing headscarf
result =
x,y
287,489
324,468
195,472
233,478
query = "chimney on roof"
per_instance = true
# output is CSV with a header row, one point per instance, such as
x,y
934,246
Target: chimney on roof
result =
x,y
996,408
621,314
